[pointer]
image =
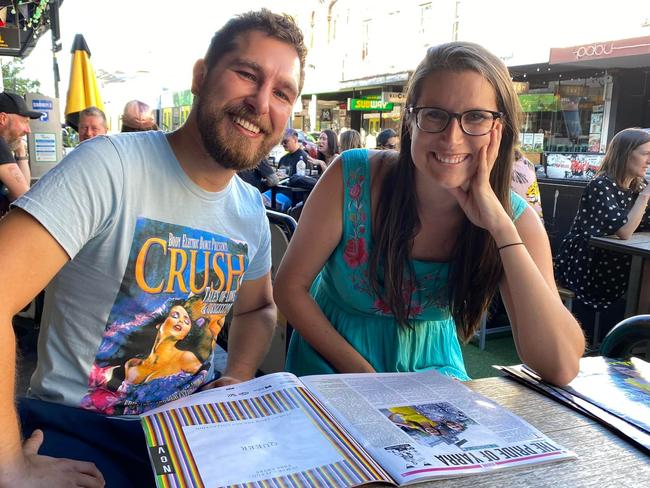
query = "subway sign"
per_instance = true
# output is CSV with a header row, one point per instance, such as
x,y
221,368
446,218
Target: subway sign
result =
x,y
361,104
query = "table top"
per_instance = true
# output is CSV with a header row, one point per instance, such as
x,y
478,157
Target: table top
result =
x,y
638,244
604,459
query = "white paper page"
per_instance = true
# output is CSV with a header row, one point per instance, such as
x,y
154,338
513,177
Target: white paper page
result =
x,y
248,451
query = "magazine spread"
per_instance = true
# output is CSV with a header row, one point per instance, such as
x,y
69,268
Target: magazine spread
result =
x,y
338,431
614,392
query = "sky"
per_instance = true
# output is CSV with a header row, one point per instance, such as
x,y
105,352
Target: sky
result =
x,y
153,44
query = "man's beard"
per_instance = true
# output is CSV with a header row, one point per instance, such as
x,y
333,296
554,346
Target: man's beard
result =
x,y
234,152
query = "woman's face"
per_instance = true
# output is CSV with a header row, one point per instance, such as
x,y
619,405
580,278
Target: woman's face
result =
x,y
177,324
322,142
638,162
450,158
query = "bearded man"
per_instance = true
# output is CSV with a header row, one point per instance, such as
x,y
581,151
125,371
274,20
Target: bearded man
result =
x,y
14,162
120,228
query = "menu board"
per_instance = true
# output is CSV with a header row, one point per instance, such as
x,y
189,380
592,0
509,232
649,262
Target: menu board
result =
x,y
531,141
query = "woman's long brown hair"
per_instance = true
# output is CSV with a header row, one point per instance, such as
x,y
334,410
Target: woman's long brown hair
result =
x,y
476,266
618,152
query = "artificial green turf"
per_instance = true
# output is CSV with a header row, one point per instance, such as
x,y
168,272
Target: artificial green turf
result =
x,y
499,349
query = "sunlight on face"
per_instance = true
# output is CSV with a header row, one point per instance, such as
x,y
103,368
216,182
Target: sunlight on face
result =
x,y
450,158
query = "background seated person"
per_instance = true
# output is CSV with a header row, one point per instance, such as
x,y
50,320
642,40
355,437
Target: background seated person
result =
x,y
349,139
92,123
328,149
615,202
295,152
14,168
387,139
261,176
138,117
524,181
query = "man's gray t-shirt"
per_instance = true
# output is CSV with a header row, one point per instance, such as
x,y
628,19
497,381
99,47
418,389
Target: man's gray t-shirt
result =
x,y
156,262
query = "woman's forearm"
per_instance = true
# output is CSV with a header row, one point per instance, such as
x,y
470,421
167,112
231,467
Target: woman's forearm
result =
x,y
547,336
634,217
306,317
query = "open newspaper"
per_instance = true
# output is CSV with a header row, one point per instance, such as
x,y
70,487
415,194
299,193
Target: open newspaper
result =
x,y
338,431
613,392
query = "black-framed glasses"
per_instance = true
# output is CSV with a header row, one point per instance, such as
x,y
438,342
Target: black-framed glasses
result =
x,y
472,122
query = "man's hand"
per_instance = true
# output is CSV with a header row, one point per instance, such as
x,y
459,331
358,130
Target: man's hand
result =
x,y
45,471
222,381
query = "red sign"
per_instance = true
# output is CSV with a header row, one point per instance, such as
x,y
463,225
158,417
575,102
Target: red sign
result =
x,y
601,50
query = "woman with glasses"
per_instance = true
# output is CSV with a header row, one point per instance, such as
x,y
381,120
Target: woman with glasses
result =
x,y
387,139
398,255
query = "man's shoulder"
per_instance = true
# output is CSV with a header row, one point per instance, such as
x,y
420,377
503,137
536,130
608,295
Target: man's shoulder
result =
x,y
132,140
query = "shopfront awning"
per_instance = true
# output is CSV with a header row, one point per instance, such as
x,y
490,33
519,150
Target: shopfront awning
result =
x,y
621,53
376,81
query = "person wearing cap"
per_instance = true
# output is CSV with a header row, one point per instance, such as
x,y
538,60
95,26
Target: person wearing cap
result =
x,y
92,123
14,163
133,233
295,152
138,117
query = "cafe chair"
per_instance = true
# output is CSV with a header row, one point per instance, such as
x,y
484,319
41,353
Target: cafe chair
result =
x,y
630,337
282,228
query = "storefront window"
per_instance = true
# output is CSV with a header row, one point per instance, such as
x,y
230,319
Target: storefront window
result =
x,y
562,115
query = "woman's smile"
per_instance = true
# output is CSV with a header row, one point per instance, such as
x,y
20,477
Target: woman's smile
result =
x,y
451,159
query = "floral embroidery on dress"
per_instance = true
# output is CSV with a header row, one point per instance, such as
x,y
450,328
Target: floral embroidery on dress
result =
x,y
426,292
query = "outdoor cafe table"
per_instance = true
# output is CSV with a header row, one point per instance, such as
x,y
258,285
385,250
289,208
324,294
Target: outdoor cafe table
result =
x,y
604,459
638,289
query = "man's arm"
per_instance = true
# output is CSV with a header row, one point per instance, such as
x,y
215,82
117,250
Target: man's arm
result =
x,y
22,159
268,173
251,330
29,258
14,179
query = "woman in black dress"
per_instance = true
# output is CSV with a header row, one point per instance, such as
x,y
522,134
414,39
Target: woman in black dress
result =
x,y
615,202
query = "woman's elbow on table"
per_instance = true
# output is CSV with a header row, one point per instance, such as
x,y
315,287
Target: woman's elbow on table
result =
x,y
562,372
623,234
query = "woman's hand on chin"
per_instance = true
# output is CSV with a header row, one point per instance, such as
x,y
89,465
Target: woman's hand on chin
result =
x,y
476,197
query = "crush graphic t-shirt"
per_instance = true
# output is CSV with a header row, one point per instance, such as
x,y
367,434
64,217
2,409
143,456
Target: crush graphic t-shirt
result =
x,y
156,263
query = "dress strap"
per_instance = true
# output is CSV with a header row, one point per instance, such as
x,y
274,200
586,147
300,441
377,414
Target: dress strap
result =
x,y
356,197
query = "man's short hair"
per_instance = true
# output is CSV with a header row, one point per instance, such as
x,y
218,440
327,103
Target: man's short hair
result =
x,y
93,112
384,135
291,133
279,26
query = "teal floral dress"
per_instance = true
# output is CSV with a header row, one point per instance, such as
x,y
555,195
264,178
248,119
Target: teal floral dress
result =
x,y
344,294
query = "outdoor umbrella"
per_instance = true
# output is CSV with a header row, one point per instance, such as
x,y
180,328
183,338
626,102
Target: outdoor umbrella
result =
x,y
83,91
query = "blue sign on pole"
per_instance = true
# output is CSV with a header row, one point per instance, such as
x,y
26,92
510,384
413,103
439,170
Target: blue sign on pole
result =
x,y
42,105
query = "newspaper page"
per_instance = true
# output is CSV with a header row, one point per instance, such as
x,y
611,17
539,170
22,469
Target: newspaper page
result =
x,y
424,425
269,431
